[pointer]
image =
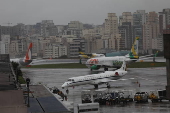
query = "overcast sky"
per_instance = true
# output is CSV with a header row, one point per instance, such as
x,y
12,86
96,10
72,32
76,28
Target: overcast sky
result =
x,y
63,11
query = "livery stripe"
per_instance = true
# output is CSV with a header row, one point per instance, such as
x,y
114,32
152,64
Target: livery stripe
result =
x,y
112,77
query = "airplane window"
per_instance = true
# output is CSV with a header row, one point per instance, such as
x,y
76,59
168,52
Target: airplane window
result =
x,y
69,79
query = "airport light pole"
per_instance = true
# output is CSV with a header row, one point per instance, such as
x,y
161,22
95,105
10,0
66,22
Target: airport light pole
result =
x,y
28,81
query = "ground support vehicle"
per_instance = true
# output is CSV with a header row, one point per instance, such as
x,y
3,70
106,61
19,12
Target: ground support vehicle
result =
x,y
157,95
114,97
104,97
86,96
126,96
141,97
88,108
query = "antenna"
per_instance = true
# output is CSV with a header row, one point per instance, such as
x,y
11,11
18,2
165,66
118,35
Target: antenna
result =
x,y
8,23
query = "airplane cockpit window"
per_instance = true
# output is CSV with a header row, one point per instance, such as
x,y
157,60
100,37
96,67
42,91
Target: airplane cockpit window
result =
x,y
69,80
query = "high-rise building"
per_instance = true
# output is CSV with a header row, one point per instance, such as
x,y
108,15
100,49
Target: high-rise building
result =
x,y
164,19
139,19
143,14
73,47
111,24
126,17
150,31
75,25
54,50
111,32
74,28
4,44
126,35
45,25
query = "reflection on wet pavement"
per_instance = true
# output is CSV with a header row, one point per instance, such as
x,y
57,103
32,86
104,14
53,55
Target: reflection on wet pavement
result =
x,y
149,79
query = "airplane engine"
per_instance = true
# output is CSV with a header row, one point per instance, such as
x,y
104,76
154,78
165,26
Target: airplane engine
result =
x,y
96,82
95,67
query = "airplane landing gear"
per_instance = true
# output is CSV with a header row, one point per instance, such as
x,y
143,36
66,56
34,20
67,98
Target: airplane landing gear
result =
x,y
105,69
96,86
67,91
108,85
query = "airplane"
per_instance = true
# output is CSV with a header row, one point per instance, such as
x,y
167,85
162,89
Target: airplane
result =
x,y
87,56
97,79
115,62
26,60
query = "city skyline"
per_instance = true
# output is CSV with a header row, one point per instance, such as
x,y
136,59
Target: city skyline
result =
x,y
62,11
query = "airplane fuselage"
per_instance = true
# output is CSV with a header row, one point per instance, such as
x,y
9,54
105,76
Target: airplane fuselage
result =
x,y
94,79
21,62
114,62
94,55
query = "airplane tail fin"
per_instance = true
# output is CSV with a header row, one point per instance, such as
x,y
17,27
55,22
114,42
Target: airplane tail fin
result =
x,y
134,50
124,66
28,55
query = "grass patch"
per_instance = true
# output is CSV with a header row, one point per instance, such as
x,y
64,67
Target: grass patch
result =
x,y
146,64
77,65
21,80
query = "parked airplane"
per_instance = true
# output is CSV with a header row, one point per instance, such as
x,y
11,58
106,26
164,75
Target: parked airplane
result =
x,y
97,79
114,62
26,60
93,55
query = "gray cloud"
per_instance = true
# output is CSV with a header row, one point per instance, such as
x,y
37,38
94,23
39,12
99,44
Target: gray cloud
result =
x,y
64,11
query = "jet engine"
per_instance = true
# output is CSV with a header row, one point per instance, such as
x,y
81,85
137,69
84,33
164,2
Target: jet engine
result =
x,y
95,67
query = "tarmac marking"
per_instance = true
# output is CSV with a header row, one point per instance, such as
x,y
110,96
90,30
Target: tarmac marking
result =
x,y
150,80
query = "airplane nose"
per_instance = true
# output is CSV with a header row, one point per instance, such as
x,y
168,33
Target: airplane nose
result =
x,y
64,85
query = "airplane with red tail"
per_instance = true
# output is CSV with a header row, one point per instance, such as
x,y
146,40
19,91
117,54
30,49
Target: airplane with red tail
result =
x,y
27,59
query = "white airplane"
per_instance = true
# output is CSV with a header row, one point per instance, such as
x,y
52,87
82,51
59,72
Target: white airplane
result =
x,y
97,79
114,62
92,55
26,60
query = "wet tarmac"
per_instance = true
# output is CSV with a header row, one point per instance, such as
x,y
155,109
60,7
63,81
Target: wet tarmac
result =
x,y
148,78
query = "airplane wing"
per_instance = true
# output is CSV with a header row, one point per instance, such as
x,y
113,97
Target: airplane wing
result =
x,y
37,61
150,56
105,80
